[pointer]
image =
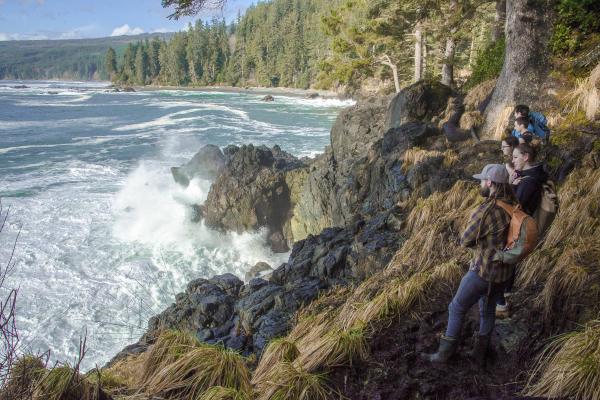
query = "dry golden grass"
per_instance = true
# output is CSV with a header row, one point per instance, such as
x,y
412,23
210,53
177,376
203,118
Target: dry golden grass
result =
x,y
278,350
434,226
169,347
414,156
128,369
570,367
478,95
24,374
64,383
224,393
199,369
564,270
586,96
499,130
288,382
567,262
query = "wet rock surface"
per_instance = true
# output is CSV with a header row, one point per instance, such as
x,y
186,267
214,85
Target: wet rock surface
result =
x,y
246,316
206,164
251,193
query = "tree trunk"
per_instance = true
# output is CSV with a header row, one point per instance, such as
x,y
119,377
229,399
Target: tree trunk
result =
x,y
418,52
500,20
528,27
448,66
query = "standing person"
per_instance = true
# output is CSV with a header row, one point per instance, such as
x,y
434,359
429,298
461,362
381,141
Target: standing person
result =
x,y
529,177
485,280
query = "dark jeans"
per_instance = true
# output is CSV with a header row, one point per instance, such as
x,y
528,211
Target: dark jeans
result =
x,y
474,289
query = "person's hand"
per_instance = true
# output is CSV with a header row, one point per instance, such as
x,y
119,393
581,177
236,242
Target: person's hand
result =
x,y
517,180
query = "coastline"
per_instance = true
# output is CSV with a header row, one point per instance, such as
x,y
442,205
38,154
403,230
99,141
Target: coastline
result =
x,y
260,90
281,91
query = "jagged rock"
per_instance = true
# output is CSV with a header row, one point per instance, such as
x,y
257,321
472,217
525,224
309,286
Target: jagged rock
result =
x,y
20,87
206,164
420,101
312,96
268,98
257,270
252,192
246,317
357,127
128,89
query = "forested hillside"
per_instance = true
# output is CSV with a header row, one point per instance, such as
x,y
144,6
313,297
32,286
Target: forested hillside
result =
x,y
341,44
79,59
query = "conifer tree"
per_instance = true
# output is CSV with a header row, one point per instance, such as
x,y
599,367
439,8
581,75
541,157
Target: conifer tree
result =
x,y
110,63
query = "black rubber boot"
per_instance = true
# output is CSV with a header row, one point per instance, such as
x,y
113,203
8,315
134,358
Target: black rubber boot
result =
x,y
480,350
445,351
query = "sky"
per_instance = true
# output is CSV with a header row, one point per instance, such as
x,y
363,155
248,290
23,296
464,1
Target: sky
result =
x,y
76,19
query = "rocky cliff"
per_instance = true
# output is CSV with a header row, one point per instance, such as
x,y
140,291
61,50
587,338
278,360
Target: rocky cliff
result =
x,y
373,225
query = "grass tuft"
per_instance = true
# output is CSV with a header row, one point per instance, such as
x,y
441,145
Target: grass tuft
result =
x,y
278,350
569,367
586,96
223,393
24,374
567,262
289,382
64,383
199,369
169,347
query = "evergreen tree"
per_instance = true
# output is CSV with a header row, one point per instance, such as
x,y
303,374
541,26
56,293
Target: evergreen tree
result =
x,y
141,65
110,63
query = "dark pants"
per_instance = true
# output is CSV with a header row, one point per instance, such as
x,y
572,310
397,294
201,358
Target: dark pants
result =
x,y
474,289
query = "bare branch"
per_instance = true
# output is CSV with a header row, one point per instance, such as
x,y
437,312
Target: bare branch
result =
x,y
185,8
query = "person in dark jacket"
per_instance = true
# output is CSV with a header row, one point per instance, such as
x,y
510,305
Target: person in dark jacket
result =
x,y
528,178
486,278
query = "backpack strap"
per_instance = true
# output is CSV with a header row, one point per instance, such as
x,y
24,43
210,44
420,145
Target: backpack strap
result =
x,y
506,207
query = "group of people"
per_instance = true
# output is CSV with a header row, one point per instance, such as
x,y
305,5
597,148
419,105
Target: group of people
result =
x,y
518,181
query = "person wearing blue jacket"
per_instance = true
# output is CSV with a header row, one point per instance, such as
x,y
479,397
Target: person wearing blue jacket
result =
x,y
537,123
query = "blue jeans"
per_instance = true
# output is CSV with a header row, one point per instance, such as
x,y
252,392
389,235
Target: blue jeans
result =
x,y
474,289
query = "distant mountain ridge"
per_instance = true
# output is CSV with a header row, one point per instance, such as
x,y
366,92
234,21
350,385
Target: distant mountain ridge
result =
x,y
80,59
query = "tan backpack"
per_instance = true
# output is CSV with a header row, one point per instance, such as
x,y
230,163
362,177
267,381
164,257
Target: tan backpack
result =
x,y
522,234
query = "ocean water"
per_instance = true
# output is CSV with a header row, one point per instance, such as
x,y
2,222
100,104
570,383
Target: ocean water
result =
x,y
105,238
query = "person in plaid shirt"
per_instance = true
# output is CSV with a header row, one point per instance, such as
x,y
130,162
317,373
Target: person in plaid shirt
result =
x,y
484,282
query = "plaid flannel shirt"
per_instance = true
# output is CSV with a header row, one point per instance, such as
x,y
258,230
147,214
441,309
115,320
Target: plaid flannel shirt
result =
x,y
486,233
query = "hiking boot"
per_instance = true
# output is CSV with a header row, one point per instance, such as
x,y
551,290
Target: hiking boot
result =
x,y
480,350
445,351
502,310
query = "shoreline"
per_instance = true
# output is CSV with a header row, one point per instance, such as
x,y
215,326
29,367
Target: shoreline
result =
x,y
261,90
281,91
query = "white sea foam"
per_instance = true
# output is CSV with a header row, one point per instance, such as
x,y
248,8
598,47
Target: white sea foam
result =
x,y
318,102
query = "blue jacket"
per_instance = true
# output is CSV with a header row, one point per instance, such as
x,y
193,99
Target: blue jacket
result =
x,y
537,126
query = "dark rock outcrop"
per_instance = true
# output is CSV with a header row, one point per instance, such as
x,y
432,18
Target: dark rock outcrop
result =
x,y
347,204
206,164
245,317
268,98
252,193
419,102
257,271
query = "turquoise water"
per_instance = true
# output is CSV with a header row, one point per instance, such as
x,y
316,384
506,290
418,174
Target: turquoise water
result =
x,y
106,240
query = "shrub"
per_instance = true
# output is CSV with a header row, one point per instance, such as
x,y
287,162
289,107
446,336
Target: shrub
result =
x,y
488,64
